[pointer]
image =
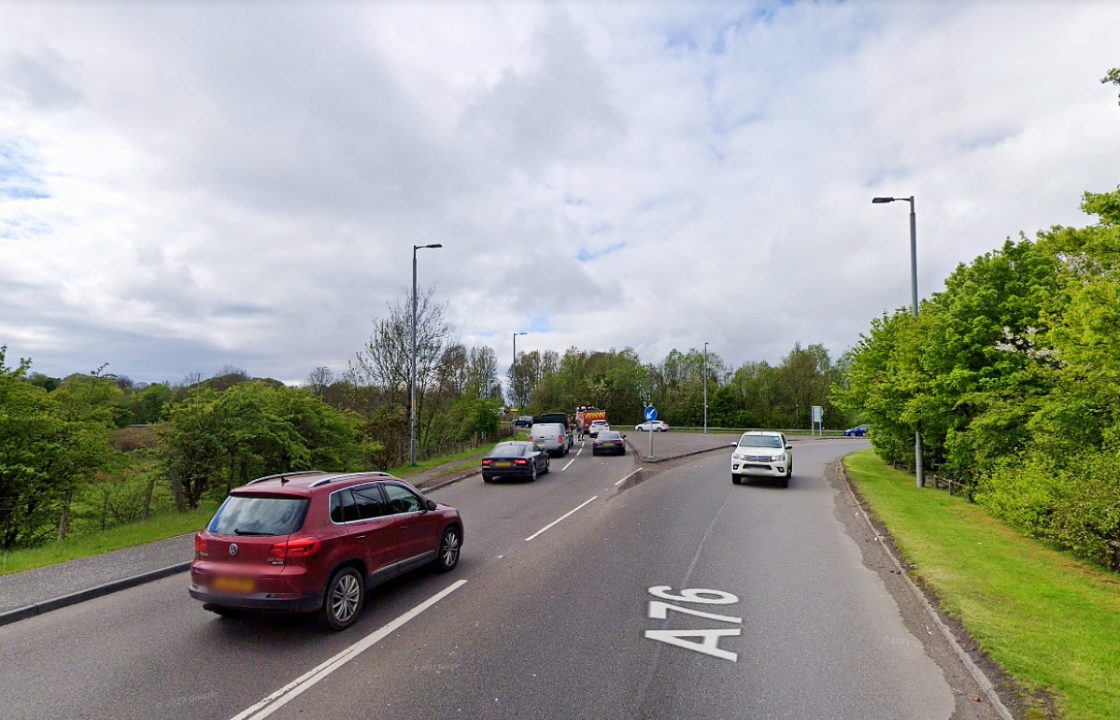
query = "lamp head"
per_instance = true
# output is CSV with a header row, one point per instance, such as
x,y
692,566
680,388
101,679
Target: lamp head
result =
x,y
879,200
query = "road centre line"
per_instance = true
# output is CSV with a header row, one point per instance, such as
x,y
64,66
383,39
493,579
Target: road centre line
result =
x,y
580,447
289,692
546,527
627,477
569,463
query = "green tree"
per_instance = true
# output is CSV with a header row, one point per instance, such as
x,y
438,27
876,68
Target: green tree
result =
x,y
46,450
214,441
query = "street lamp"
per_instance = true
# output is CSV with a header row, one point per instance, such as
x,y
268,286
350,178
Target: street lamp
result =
x,y
412,376
705,387
919,471
513,366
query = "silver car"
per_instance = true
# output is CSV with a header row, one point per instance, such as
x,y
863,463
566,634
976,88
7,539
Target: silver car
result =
x,y
553,438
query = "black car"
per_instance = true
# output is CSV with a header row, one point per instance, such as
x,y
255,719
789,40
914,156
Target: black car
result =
x,y
514,460
523,421
608,441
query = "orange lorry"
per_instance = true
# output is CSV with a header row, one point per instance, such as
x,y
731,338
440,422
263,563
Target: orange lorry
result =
x,y
586,414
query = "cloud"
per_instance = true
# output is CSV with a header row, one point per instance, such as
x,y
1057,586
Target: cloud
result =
x,y
188,186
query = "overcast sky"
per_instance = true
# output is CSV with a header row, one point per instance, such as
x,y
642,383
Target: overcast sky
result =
x,y
189,186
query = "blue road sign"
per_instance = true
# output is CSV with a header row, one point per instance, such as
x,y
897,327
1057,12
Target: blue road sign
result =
x,y
650,413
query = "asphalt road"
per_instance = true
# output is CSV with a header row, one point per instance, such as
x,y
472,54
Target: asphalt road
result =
x,y
549,623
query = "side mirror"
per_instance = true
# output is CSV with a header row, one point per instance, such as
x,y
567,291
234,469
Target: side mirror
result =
x,y
430,504
789,446
733,445
624,436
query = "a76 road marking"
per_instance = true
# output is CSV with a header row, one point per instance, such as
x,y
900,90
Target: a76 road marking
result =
x,y
706,641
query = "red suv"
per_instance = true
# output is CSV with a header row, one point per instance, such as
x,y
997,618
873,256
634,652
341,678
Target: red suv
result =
x,y
315,541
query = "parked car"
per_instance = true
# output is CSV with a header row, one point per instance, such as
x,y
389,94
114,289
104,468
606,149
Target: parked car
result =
x,y
523,421
553,438
857,431
654,426
597,426
514,460
762,453
608,441
317,542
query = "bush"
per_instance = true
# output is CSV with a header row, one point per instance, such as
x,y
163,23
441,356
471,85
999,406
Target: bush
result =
x,y
1087,519
130,439
1076,506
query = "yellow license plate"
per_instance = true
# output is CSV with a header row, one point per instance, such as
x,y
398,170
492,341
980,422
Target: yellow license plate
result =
x,y
236,586
505,464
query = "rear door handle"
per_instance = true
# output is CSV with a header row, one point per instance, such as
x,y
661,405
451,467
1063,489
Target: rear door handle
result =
x,y
360,537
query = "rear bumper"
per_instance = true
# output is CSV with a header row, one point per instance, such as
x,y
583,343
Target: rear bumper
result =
x,y
503,473
620,450
287,602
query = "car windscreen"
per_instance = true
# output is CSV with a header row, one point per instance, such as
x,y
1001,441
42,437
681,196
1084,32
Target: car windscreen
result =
x,y
241,515
762,441
517,450
612,435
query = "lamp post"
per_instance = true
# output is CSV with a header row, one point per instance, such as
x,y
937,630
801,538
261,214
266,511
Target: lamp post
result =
x,y
412,375
919,471
705,387
513,366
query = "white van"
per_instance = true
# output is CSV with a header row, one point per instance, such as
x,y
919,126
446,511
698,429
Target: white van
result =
x,y
553,438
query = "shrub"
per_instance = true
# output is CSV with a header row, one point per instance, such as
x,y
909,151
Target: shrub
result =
x,y
1076,506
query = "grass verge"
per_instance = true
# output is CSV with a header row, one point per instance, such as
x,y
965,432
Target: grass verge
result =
x,y
158,527
404,471
1051,621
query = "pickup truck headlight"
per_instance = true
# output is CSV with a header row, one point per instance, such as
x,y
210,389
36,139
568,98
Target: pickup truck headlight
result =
x,y
778,458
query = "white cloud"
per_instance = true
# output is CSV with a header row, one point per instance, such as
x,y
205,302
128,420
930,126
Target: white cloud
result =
x,y
224,184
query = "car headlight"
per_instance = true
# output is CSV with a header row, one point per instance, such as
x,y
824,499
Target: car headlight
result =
x,y
778,458
737,456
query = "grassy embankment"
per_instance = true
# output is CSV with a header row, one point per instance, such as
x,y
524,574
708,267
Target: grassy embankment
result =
x,y
85,544
163,525
1052,622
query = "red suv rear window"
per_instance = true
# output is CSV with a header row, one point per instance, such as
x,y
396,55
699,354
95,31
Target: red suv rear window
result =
x,y
241,515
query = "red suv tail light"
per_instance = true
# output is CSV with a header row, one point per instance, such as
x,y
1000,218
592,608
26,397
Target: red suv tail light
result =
x,y
293,549
487,462
199,545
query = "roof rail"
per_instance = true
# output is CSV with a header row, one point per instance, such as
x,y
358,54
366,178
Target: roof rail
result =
x,y
347,476
296,473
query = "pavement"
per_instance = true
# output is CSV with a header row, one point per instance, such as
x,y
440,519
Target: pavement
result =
x,y
34,592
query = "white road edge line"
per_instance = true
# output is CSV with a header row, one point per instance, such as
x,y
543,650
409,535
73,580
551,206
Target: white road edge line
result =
x,y
627,477
546,527
289,692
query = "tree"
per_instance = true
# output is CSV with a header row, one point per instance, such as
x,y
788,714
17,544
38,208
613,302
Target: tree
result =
x,y
215,441
481,377
319,380
45,451
386,359
1112,76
